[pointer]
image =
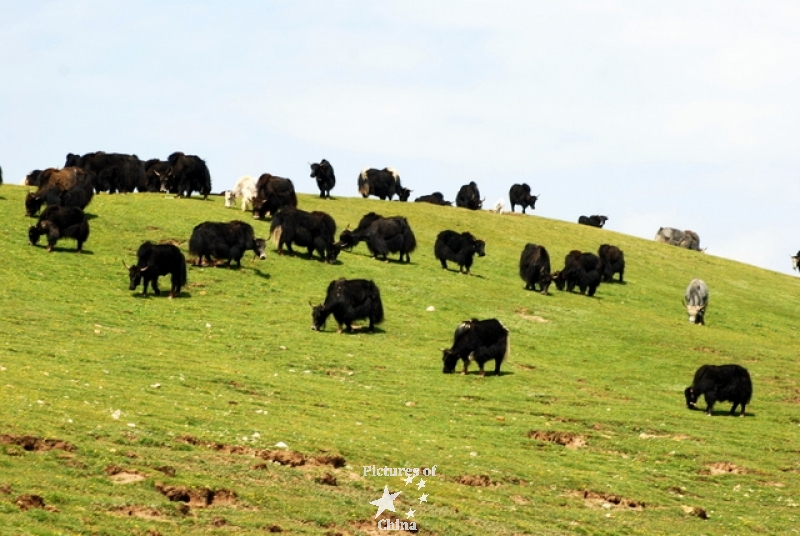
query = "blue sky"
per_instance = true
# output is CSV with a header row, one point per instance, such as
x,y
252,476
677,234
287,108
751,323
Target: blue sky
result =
x,y
680,114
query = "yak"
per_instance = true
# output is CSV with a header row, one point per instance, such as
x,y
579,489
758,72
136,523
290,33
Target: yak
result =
x,y
520,194
272,194
593,220
186,174
155,260
226,241
382,183
436,198
534,268
313,230
382,235
111,172
459,248
696,301
581,270
58,222
720,383
479,341
68,187
613,262
469,197
326,179
349,300
244,189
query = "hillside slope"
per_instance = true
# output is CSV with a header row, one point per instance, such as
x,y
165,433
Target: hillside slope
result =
x,y
155,394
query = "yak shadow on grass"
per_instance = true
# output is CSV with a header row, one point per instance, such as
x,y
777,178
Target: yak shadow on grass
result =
x,y
723,412
164,294
66,250
90,216
488,373
357,330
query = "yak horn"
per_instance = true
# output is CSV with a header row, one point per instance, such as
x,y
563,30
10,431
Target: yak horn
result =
x,y
126,265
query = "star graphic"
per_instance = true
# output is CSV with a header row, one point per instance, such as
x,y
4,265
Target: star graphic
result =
x,y
410,513
420,484
386,502
409,480
424,498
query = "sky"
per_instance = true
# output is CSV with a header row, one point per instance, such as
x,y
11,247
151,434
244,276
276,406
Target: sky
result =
x,y
676,113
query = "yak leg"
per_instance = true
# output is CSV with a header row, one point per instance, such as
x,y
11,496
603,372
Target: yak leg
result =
x,y
482,372
155,287
497,363
466,364
444,263
733,408
742,413
710,399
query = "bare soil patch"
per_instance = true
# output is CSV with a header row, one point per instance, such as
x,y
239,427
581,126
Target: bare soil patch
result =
x,y
610,500
27,502
327,480
36,444
695,511
475,480
723,468
278,456
566,439
119,475
198,497
142,512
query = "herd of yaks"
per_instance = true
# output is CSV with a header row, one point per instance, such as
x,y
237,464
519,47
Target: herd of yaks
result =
x,y
67,191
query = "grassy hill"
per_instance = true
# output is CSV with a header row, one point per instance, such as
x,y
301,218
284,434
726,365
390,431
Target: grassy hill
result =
x,y
585,432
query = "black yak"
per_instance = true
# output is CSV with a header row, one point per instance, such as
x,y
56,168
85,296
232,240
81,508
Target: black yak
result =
x,y
349,300
721,383
226,241
436,198
326,179
534,267
154,260
479,341
313,230
111,172
613,262
593,221
382,183
60,222
382,235
581,270
520,194
272,194
459,248
469,197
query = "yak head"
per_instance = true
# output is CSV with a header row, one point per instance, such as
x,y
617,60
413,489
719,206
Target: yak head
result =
x,y
260,248
318,316
135,274
404,194
230,198
796,261
480,248
33,202
559,279
449,359
696,312
34,233
333,252
691,397
346,240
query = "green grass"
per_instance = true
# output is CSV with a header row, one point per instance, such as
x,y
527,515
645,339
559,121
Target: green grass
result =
x,y
234,356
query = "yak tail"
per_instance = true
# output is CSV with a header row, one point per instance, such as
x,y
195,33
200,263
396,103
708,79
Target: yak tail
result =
x,y
277,231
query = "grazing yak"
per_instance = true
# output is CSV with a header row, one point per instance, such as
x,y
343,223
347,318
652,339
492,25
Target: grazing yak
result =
x,y
244,189
383,183
312,230
593,220
186,173
613,262
520,194
675,237
326,180
459,248
721,383
68,187
581,270
60,222
111,172
436,198
382,235
696,301
226,241
479,341
155,260
796,261
349,300
534,268
34,178
272,194
469,197
154,169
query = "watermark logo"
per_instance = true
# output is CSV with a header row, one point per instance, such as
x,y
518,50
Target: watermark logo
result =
x,y
386,501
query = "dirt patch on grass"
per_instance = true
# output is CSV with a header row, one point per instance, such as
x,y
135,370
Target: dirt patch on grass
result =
x,y
28,502
326,480
724,468
119,475
282,457
36,444
566,439
198,497
609,500
142,512
695,511
525,313
476,480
